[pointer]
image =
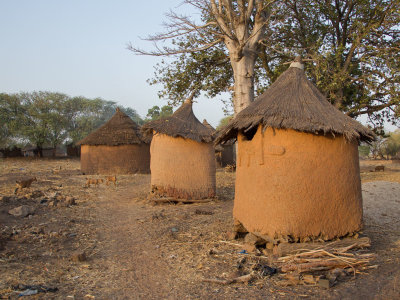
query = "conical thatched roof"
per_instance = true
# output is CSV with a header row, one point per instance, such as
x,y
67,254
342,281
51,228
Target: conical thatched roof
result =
x,y
119,130
294,102
182,123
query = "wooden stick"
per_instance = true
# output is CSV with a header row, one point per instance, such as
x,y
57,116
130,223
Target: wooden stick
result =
x,y
229,243
166,200
244,278
322,265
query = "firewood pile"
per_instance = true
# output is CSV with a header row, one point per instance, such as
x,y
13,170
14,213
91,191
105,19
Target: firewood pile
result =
x,y
327,263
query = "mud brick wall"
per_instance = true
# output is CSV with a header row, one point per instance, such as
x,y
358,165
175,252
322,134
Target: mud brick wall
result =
x,y
290,183
182,168
122,159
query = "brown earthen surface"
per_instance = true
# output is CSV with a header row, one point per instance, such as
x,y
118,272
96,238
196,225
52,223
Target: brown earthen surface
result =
x,y
182,168
122,159
297,184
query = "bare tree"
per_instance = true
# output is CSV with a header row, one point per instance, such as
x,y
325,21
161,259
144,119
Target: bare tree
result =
x,y
239,24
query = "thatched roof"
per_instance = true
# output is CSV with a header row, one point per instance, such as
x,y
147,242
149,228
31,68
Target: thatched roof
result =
x,y
294,102
208,125
119,130
182,123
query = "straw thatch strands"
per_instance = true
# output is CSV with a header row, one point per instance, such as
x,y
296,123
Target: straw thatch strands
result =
x,y
297,166
182,156
117,147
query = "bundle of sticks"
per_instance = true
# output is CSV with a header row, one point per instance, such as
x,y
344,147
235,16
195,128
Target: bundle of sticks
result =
x,y
330,256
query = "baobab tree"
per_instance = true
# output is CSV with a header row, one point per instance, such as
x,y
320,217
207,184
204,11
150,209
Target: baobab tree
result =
x,y
239,25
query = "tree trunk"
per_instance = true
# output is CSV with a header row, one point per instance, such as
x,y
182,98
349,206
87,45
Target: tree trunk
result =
x,y
243,71
40,151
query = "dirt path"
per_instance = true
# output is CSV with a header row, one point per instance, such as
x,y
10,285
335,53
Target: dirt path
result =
x,y
129,255
134,241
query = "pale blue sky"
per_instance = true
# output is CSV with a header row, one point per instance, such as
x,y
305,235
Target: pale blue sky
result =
x,y
78,47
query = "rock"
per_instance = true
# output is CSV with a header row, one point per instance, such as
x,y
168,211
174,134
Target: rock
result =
x,y
231,235
324,283
70,200
6,199
54,234
253,239
238,227
22,211
250,248
202,212
37,230
36,194
212,251
79,257
309,279
265,270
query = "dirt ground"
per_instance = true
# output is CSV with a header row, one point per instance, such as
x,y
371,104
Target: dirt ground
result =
x,y
136,250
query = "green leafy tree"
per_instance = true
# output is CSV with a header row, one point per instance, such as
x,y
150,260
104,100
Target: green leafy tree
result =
x,y
364,150
10,112
391,145
133,115
223,122
43,122
50,119
85,115
156,113
351,47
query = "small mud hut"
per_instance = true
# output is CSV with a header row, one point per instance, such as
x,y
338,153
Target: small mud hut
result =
x,y
297,174
117,147
182,156
224,154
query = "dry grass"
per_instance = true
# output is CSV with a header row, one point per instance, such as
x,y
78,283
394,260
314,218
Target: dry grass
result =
x,y
391,173
156,252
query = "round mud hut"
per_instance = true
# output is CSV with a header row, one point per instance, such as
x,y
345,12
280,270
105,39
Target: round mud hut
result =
x,y
182,156
117,147
297,173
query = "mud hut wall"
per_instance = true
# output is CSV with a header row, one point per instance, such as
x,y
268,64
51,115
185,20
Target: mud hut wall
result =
x,y
226,156
73,150
182,168
122,159
298,184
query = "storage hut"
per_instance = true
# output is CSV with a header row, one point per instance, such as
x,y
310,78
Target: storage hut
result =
x,y
117,147
297,174
182,156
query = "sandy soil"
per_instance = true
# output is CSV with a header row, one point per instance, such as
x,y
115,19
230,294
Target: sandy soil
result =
x,y
135,250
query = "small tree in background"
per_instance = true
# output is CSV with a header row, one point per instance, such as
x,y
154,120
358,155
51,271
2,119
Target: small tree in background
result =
x,y
156,113
391,145
51,119
364,151
223,122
